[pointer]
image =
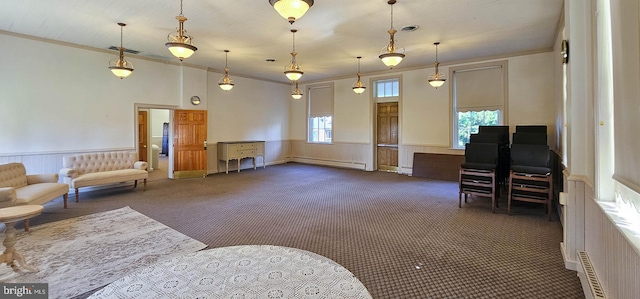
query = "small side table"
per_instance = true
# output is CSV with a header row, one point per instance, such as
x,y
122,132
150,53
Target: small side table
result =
x,y
9,216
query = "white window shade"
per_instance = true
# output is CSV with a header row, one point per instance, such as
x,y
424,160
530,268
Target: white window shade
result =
x,y
479,89
320,101
626,100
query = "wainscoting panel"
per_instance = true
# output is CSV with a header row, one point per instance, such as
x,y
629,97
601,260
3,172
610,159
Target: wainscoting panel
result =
x,y
348,155
37,163
616,261
573,220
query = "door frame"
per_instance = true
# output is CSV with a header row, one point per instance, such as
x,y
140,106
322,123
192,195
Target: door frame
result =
x,y
373,104
171,108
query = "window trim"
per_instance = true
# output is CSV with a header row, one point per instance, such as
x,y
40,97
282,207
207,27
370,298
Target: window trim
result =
x,y
504,115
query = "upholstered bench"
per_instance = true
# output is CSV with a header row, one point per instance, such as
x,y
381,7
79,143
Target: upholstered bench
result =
x,y
94,169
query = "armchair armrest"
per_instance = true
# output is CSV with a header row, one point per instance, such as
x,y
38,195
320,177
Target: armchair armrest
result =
x,y
140,165
68,172
7,196
42,178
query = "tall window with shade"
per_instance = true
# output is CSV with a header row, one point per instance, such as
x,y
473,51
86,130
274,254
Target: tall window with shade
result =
x,y
478,100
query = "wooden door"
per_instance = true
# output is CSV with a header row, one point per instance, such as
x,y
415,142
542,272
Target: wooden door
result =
x,y
387,136
143,150
189,143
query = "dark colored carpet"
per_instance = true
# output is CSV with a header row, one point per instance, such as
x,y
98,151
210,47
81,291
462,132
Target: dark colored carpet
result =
x,y
403,237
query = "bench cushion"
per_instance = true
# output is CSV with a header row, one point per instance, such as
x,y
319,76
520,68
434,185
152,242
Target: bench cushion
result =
x,y
108,177
41,193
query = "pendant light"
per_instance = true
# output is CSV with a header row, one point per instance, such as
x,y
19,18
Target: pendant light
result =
x,y
296,94
293,71
291,9
120,67
392,54
181,44
225,82
357,86
436,79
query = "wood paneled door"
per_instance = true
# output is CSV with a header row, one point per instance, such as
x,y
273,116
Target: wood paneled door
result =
x,y
387,136
189,143
143,136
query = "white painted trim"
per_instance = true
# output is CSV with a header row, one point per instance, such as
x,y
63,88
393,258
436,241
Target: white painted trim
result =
x,y
325,162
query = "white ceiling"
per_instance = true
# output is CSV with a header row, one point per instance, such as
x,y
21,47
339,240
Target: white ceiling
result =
x,y
330,35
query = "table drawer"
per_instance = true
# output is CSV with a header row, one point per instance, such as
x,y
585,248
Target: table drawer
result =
x,y
246,153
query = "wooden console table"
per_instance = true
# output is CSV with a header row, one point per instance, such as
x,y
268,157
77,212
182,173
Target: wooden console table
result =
x,y
237,150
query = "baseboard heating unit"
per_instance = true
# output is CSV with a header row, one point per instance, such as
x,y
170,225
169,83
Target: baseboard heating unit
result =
x,y
589,279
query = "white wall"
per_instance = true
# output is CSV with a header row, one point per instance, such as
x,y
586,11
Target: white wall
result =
x,y
425,113
60,98
531,92
252,110
157,118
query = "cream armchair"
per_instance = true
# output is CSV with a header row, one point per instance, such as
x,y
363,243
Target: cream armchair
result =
x,y
18,188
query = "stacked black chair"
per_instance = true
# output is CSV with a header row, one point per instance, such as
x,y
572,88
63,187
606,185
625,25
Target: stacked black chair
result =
x,y
530,178
529,138
478,172
538,129
503,150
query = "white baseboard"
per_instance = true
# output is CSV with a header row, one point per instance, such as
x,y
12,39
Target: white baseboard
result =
x,y
334,163
569,264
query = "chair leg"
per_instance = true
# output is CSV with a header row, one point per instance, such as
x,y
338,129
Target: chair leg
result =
x,y
26,225
76,194
509,193
64,198
135,184
550,198
460,190
493,193
145,184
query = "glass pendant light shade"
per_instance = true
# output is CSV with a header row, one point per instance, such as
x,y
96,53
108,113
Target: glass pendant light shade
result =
x,y
291,9
358,87
392,54
180,44
293,71
119,66
436,79
296,93
226,83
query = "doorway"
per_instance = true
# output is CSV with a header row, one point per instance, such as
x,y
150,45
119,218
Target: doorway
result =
x,y
151,121
387,136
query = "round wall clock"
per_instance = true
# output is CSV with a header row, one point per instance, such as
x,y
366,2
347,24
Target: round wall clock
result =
x,y
565,51
195,100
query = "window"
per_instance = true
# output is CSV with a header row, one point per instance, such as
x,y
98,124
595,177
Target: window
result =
x,y
387,88
478,100
468,122
320,113
320,128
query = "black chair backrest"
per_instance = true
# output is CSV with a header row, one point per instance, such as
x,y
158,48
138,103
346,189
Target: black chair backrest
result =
x,y
530,155
503,131
485,138
540,129
529,138
486,153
